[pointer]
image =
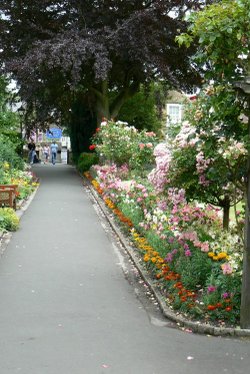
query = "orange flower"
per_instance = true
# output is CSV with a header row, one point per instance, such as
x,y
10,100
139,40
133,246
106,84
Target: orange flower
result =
x,y
211,307
167,277
190,294
165,269
178,285
228,308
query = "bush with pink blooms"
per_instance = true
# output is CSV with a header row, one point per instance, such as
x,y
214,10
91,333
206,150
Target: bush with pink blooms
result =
x,y
119,143
188,239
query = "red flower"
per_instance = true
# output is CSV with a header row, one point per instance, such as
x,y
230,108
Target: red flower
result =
x,y
92,147
211,307
98,129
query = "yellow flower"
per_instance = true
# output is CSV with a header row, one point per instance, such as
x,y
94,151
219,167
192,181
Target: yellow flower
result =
x,y
160,260
6,165
211,254
222,255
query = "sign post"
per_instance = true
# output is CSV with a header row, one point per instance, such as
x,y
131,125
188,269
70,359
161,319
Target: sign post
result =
x,y
54,133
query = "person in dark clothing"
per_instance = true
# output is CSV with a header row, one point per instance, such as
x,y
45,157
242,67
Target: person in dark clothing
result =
x,y
32,152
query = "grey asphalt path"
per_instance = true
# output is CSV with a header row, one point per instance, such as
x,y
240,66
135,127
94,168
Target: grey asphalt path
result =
x,y
67,307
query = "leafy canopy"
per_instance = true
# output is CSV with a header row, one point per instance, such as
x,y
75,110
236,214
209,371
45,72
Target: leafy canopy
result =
x,y
58,49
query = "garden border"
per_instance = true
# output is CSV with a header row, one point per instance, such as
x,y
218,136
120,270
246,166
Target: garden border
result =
x,y
21,208
181,321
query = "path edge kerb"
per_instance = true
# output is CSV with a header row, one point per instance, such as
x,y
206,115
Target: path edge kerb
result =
x,y
181,321
23,206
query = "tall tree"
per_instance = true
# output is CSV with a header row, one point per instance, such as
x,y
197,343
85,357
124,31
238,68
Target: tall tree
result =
x,y
56,49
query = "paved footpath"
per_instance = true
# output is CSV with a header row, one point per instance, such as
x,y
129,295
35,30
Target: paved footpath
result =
x,y
68,308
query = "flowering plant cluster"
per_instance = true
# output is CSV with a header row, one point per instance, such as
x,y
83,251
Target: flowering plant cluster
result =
x,y
24,179
119,143
208,163
176,211
9,221
26,183
181,244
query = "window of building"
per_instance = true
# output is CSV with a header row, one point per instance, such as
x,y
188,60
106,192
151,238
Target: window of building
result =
x,y
174,113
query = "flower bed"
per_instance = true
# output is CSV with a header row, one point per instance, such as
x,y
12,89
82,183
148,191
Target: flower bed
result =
x,y
24,179
26,182
197,268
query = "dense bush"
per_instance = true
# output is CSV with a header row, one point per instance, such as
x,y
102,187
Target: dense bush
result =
x,y
86,160
8,219
119,143
8,154
142,109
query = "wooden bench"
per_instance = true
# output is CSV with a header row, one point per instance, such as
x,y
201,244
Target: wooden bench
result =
x,y
8,193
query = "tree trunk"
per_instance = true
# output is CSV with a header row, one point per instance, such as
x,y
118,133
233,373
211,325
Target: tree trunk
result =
x,y
82,128
226,211
105,109
102,104
102,109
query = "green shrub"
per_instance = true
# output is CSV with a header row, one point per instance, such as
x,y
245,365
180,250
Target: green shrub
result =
x,y
131,211
8,154
194,270
86,160
8,219
119,143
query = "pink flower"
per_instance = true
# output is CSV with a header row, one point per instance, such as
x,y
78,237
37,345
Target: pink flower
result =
x,y
151,133
168,258
211,289
205,247
141,145
175,219
188,253
203,181
226,269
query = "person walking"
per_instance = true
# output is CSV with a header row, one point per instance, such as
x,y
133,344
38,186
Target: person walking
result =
x,y
32,151
53,149
46,152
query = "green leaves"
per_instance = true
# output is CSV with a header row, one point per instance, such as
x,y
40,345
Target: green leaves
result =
x,y
223,33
